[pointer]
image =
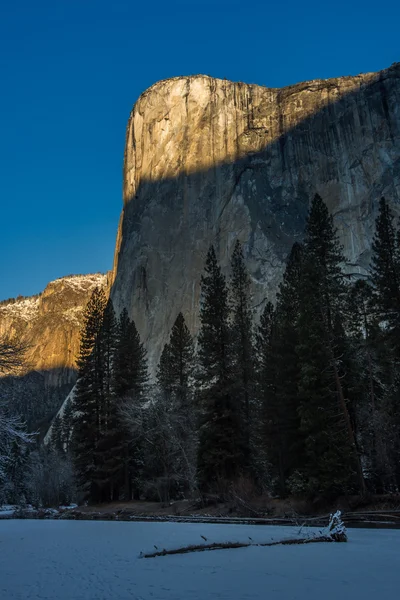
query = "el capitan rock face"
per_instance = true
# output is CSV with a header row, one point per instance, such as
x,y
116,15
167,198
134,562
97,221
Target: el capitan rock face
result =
x,y
208,161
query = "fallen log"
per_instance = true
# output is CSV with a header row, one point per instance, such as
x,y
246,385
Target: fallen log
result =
x,y
225,545
335,532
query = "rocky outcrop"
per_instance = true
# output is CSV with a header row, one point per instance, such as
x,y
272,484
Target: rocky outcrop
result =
x,y
208,161
49,325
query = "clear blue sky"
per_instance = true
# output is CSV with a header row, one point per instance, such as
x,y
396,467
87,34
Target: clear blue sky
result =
x,y
70,71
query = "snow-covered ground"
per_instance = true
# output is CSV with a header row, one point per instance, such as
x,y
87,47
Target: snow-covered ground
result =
x,y
86,560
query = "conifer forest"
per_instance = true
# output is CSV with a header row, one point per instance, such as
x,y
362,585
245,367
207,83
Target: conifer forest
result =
x,y
304,402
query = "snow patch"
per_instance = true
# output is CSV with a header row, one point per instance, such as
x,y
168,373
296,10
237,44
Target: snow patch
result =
x,y
83,282
69,398
74,315
26,308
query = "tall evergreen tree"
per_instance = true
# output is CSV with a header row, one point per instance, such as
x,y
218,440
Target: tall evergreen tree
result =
x,y
67,425
131,385
176,363
369,368
326,469
243,347
107,463
385,272
287,366
385,276
131,372
279,370
174,377
57,435
87,398
331,456
16,473
220,454
268,442
108,345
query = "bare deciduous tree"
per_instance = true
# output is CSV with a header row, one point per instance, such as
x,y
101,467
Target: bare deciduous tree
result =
x,y
170,463
11,428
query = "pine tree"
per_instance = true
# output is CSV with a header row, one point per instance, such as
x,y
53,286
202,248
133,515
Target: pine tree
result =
x,y
325,470
131,372
385,276
267,444
176,363
385,272
16,473
88,395
131,385
108,463
174,377
330,450
278,377
108,346
369,367
67,425
220,454
243,347
56,434
287,367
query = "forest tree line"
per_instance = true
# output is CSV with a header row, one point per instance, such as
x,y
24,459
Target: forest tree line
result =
x,y
306,402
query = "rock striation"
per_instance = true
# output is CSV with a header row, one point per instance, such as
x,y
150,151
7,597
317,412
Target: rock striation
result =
x,y
208,161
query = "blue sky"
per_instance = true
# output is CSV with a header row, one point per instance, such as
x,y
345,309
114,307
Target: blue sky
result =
x,y
70,71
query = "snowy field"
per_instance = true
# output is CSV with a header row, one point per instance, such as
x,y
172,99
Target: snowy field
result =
x,y
86,560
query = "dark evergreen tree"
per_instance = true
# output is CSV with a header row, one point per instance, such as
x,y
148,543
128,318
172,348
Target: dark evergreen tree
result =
x,y
175,374
369,370
164,378
286,361
176,363
15,491
131,372
220,455
108,345
67,424
268,438
243,349
385,271
131,385
278,371
57,441
88,396
108,463
331,456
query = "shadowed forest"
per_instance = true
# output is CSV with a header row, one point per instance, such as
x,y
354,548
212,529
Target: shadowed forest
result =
x,y
304,403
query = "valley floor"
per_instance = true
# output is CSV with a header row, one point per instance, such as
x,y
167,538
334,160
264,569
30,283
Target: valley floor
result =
x,y
86,560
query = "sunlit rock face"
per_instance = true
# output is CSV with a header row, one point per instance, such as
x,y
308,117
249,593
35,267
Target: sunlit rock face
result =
x,y
49,325
208,161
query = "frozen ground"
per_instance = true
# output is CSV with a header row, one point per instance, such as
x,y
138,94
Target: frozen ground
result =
x,y
86,560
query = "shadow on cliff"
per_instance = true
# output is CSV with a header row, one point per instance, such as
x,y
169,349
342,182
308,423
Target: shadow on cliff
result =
x,y
267,190
37,396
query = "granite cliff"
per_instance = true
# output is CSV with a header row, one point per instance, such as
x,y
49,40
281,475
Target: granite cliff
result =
x,y
49,325
208,161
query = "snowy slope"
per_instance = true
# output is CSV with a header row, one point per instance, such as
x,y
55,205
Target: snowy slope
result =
x,y
69,398
65,560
